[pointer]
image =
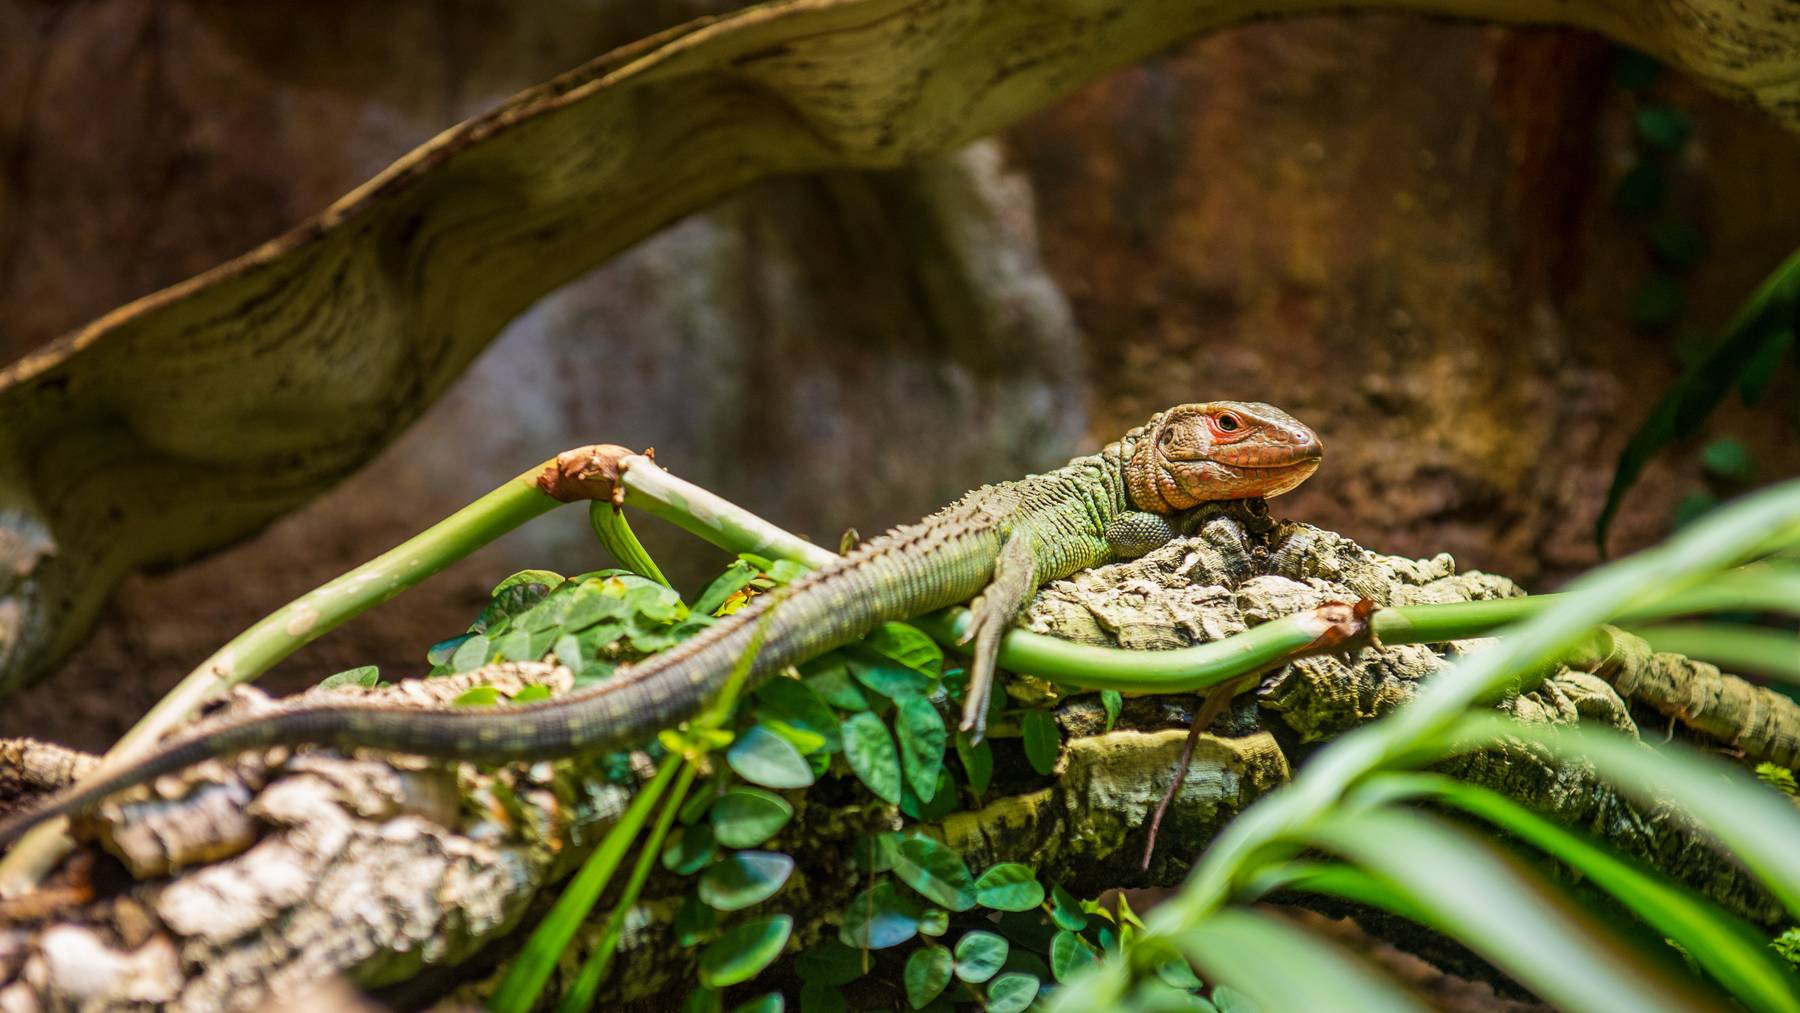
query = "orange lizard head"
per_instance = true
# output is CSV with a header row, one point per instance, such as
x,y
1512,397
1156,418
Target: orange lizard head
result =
x,y
1194,453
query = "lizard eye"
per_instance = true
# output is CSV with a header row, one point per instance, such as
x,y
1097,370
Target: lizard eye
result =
x,y
1165,437
1228,423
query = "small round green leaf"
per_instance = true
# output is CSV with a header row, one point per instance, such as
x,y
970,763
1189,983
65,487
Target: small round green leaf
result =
x,y
936,871
746,817
829,963
1114,702
922,741
878,918
817,998
978,955
689,849
771,1003
470,654
1066,911
742,952
1009,886
1179,974
909,646
886,676
977,761
367,675
942,804
935,921
762,757
477,696
1068,954
870,750
1011,992
532,693
796,703
744,878
927,974
1042,741
694,922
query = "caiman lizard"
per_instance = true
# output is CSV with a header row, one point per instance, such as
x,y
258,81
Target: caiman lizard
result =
x,y
994,546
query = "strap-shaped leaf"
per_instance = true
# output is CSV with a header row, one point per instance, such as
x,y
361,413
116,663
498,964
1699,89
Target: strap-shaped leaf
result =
x,y
1771,652
1491,903
1726,946
1284,967
1756,824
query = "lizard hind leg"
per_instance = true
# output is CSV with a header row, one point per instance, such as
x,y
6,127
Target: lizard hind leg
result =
x,y
1015,578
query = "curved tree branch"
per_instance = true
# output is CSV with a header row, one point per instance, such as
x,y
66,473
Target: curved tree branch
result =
x,y
187,419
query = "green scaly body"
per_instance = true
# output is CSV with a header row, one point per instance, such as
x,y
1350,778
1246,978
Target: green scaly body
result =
x,y
1033,530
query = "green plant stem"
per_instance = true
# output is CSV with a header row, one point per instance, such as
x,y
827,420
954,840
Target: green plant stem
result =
x,y
580,995
657,492
286,630
1770,652
524,981
609,523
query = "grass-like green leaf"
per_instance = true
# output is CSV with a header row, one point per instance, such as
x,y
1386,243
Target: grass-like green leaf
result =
x,y
936,871
1494,905
1009,886
762,757
1043,741
580,994
870,750
927,974
746,817
1337,879
1757,823
1284,967
744,879
518,991
1727,947
742,952
1736,648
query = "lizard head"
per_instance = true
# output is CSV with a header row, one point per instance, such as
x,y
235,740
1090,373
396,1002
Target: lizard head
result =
x,y
1194,453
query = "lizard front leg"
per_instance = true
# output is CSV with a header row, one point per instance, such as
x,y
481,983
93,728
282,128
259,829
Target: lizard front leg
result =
x,y
1015,578
1138,532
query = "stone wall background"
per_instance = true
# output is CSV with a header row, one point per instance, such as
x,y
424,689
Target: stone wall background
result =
x,y
1401,229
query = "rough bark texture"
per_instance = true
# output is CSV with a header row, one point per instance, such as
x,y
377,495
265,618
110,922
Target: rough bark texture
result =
x,y
1468,304
290,870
